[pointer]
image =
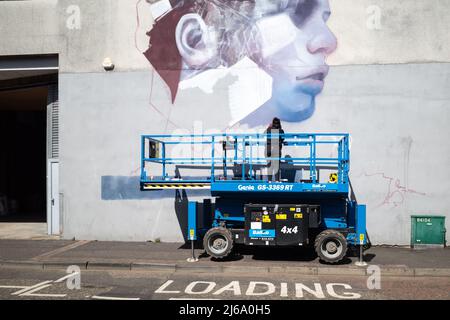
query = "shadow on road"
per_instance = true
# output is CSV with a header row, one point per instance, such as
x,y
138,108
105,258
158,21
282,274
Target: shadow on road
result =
x,y
304,254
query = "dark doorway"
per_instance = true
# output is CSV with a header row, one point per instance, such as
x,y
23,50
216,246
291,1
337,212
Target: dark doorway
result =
x,y
23,145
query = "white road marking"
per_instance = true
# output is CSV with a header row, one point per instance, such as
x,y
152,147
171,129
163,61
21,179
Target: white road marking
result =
x,y
192,299
162,289
67,277
29,291
298,290
13,287
30,288
113,298
31,294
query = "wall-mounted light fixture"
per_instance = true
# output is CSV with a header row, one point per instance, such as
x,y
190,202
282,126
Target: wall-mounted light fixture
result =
x,y
108,65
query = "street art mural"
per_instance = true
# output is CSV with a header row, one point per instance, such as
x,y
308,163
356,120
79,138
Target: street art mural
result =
x,y
275,49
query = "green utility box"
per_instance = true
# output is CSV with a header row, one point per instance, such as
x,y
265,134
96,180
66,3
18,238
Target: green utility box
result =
x,y
427,231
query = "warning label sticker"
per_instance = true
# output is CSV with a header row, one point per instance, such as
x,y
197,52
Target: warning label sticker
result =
x,y
361,238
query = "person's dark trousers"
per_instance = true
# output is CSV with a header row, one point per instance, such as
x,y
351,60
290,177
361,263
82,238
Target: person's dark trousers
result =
x,y
274,169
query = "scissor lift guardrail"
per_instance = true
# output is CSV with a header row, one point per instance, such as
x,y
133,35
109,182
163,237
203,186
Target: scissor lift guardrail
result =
x,y
220,153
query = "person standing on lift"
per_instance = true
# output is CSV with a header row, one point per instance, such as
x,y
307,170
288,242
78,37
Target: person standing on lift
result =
x,y
275,139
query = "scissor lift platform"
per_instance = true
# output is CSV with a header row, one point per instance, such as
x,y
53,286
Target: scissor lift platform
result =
x,y
235,168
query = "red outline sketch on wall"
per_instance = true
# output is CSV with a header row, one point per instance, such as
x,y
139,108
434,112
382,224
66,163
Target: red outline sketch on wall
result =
x,y
394,189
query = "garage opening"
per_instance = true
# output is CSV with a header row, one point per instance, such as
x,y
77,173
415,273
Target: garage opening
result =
x,y
29,119
23,139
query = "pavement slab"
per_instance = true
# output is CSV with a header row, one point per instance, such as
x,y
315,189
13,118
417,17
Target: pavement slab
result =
x,y
22,250
393,261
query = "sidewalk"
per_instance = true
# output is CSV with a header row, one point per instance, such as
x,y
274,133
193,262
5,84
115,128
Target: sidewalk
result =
x,y
172,257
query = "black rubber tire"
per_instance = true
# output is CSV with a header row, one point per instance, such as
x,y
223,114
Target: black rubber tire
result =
x,y
218,233
327,236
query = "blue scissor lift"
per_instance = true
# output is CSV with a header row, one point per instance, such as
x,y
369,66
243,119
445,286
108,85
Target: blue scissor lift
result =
x,y
311,202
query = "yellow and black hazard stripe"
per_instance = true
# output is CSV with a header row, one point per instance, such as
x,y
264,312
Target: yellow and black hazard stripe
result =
x,y
333,178
176,186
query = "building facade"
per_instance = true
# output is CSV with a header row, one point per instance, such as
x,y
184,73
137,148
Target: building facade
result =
x,y
116,69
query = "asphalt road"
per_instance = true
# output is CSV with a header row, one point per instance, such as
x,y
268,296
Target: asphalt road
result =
x,y
28,283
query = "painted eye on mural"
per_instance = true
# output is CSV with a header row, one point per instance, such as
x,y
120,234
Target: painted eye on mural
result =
x,y
301,11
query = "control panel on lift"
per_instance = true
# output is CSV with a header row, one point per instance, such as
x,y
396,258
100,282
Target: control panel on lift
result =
x,y
279,224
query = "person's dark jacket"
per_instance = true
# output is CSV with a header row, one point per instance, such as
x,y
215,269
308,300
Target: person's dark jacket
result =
x,y
269,132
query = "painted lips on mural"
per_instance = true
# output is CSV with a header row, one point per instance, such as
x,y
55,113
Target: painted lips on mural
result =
x,y
276,49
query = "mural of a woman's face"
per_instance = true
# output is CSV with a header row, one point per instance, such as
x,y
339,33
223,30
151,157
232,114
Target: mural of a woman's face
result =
x,y
298,67
288,40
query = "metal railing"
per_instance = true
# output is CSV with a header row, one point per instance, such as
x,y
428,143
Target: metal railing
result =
x,y
219,153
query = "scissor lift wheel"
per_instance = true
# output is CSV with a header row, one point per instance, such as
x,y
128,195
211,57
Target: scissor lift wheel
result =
x,y
331,246
218,242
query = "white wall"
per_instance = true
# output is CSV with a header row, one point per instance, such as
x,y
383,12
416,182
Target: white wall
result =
x,y
387,87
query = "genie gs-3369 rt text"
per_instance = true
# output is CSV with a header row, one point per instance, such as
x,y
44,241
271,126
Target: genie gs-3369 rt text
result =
x,y
311,202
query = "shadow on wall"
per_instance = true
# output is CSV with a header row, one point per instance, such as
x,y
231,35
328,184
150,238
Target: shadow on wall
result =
x,y
128,188
181,210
